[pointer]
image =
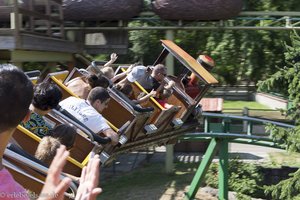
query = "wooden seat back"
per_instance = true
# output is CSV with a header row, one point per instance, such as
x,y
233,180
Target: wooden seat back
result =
x,y
73,74
29,143
66,92
82,145
119,107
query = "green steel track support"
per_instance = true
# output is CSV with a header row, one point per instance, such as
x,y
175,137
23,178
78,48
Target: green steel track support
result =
x,y
214,146
223,170
202,169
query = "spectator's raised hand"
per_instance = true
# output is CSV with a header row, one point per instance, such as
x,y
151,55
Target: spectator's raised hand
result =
x,y
89,180
55,188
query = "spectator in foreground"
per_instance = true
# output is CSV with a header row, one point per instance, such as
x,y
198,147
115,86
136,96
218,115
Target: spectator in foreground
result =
x,y
16,92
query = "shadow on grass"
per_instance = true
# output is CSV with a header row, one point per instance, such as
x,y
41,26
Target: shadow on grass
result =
x,y
150,182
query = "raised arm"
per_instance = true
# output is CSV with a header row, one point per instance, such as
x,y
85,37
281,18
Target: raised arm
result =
x,y
113,58
145,98
123,74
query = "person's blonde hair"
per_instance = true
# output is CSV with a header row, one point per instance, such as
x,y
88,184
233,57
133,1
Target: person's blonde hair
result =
x,y
108,72
46,149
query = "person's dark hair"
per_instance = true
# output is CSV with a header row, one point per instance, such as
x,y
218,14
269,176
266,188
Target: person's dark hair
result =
x,y
65,133
46,96
98,93
16,93
165,93
159,68
96,80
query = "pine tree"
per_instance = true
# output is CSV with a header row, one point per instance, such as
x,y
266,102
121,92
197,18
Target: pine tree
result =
x,y
287,81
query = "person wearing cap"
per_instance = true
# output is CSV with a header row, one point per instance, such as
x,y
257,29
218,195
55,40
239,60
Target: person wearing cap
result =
x,y
205,61
191,88
150,79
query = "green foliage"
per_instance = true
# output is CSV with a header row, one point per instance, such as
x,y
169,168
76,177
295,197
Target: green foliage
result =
x,y
289,77
245,56
145,44
244,178
286,80
287,189
289,137
241,56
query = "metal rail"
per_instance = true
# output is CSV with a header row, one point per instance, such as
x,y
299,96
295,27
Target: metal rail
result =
x,y
247,20
219,144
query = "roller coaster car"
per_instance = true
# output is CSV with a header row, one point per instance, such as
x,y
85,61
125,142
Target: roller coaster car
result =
x,y
28,172
118,106
160,118
180,97
121,106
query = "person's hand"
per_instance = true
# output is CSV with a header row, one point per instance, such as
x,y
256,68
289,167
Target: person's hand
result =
x,y
112,135
89,180
113,57
130,68
152,93
170,85
54,187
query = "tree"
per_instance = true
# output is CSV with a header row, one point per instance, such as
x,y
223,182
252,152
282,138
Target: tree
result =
x,y
290,77
145,44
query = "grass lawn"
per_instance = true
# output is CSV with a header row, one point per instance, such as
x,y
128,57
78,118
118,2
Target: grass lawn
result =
x,y
255,110
241,104
278,159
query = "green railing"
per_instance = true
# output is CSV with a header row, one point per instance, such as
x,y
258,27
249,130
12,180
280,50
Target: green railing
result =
x,y
219,143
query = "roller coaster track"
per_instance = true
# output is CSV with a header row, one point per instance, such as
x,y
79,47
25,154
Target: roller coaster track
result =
x,y
219,143
246,20
247,137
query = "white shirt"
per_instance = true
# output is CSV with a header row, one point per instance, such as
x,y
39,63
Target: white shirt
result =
x,y
85,113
